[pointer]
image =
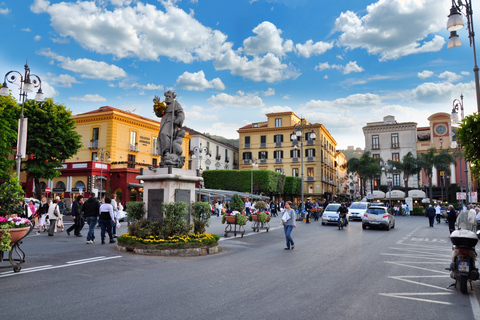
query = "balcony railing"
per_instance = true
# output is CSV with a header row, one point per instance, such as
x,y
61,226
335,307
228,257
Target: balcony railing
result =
x,y
263,160
278,144
246,145
310,159
263,144
247,161
278,160
375,147
310,142
155,152
93,144
310,178
133,147
395,145
295,159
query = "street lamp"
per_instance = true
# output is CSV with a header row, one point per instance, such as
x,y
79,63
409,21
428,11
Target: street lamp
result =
x,y
198,152
103,154
389,182
28,82
454,23
389,168
458,104
298,135
254,164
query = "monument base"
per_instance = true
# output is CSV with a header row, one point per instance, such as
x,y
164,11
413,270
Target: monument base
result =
x,y
168,185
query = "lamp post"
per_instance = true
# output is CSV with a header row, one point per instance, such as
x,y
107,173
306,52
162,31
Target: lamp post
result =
x,y
390,181
28,82
458,105
299,135
198,152
389,168
254,164
454,23
103,155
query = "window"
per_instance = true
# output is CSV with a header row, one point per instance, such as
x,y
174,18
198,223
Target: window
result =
x,y
278,154
278,123
376,182
247,156
278,170
263,155
295,172
263,141
95,134
155,145
309,152
376,157
310,172
375,142
395,141
247,142
208,148
226,156
396,180
217,151
295,153
94,156
131,161
278,139
133,138
154,162
395,156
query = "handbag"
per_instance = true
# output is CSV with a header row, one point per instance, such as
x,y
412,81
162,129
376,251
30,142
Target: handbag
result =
x,y
59,223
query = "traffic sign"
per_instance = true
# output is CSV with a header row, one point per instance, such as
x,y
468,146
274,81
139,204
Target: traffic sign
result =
x,y
47,190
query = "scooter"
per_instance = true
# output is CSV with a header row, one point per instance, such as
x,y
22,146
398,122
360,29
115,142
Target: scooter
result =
x,y
464,239
342,222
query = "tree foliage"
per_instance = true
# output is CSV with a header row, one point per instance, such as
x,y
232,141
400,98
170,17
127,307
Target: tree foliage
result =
x,y
366,167
409,166
8,135
469,136
432,158
51,138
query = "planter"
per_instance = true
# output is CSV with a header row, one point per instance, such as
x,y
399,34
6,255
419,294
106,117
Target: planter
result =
x,y
255,217
230,219
16,234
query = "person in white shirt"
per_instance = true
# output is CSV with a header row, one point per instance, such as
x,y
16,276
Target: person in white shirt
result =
x,y
53,215
106,219
115,214
438,212
248,206
477,210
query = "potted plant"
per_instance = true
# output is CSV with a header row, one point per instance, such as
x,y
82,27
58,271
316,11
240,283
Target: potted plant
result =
x,y
12,228
261,215
201,216
234,217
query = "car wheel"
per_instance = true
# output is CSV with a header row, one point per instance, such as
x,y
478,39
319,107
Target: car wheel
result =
x,y
393,226
364,227
323,223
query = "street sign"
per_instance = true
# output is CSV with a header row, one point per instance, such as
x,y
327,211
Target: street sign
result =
x,y
47,190
461,195
442,173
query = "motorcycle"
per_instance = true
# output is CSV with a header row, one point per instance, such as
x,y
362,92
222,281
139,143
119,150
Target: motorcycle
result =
x,y
464,239
341,222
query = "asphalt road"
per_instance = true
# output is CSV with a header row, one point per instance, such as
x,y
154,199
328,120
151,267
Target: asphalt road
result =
x,y
331,274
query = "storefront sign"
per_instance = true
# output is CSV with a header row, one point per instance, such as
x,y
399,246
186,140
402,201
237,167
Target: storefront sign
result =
x,y
79,165
144,140
101,166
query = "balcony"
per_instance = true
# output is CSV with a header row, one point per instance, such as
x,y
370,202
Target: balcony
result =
x,y
278,144
93,144
246,146
375,147
310,142
395,145
155,152
310,159
133,147
247,161
278,160
310,178
263,145
295,159
263,160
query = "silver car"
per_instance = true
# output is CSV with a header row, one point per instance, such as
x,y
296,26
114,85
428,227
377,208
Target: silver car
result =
x,y
330,214
357,210
378,217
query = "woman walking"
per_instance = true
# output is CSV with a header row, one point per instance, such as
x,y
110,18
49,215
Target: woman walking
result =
x,y
42,215
53,215
288,220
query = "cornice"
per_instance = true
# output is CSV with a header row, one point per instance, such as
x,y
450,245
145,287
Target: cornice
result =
x,y
390,127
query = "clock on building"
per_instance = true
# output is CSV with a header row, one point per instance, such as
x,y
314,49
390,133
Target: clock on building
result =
x,y
440,129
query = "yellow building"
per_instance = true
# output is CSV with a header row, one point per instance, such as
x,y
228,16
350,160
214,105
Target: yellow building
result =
x,y
269,144
116,145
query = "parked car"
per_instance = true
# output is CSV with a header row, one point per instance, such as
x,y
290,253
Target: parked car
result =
x,y
357,209
378,217
36,202
330,214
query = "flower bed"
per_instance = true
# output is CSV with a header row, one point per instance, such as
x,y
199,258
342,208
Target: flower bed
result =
x,y
174,242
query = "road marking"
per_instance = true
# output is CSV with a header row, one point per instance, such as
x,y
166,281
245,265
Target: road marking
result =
x,y
250,233
414,267
475,305
404,278
406,295
51,267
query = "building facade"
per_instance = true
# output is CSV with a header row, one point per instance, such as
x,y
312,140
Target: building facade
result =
x,y
390,140
269,145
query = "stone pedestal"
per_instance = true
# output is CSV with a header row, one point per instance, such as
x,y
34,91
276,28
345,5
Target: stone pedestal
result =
x,y
168,185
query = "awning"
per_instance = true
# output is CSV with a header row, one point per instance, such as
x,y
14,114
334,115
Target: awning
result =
x,y
396,194
419,194
377,194
229,194
134,185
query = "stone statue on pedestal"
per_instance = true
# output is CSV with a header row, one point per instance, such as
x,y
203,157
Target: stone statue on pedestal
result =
x,y
171,134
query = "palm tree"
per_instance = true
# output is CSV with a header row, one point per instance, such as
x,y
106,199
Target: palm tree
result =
x,y
409,166
366,167
441,161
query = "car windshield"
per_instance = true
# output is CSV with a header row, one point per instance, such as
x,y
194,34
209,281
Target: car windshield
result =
x,y
332,207
376,211
358,206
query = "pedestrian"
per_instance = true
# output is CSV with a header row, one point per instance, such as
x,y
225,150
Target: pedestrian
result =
x,y
477,210
42,215
90,211
61,207
53,215
106,219
451,218
288,221
31,205
77,215
430,214
115,213
248,206
407,210
308,208
438,212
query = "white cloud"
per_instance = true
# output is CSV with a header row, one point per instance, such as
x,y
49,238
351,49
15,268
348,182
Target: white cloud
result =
x,y
438,93
425,74
26,30
196,112
63,80
287,97
197,82
352,101
86,67
146,32
267,40
393,29
348,68
4,11
309,48
269,92
90,98
274,109
450,76
37,38
240,100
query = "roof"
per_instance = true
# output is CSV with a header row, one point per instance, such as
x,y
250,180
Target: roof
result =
x,y
108,109
196,133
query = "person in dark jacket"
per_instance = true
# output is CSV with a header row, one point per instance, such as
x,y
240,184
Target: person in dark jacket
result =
x,y
90,211
451,218
431,215
77,215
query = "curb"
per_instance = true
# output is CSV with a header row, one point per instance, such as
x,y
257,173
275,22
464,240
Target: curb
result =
x,y
189,252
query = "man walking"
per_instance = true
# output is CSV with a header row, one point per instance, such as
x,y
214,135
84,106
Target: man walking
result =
x,y
77,215
431,215
91,210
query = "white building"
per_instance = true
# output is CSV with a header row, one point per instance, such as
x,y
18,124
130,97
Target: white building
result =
x,y
390,140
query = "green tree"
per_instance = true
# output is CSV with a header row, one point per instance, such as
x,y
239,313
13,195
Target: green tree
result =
x,y
51,138
366,167
441,161
409,166
8,135
469,136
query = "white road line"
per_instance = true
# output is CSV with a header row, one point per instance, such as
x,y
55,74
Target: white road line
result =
x,y
475,305
11,273
32,268
414,267
408,296
88,259
402,278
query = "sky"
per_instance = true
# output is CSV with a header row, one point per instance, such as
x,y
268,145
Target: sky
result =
x,y
338,63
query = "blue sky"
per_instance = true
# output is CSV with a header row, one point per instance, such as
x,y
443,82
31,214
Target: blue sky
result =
x,y
339,63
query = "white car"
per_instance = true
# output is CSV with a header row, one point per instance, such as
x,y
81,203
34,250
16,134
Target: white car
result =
x,y
330,214
357,210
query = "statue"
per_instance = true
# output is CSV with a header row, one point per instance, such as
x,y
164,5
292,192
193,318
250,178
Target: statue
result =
x,y
170,136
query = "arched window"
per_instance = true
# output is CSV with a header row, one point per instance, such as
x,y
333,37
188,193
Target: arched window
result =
x,y
60,185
